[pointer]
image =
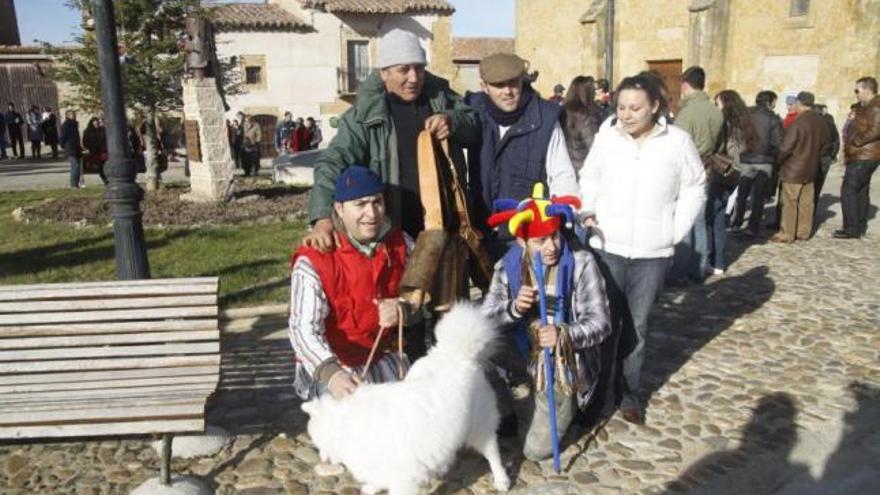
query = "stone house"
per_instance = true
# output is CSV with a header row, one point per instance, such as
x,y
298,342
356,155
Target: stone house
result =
x,y
308,56
782,45
466,56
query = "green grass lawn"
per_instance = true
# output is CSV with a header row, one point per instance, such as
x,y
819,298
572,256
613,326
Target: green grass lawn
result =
x,y
251,260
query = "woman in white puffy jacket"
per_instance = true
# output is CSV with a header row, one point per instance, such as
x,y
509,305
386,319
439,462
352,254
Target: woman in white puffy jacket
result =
x,y
642,186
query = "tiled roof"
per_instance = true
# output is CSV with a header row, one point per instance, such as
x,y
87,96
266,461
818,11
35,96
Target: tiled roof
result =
x,y
474,49
380,6
254,16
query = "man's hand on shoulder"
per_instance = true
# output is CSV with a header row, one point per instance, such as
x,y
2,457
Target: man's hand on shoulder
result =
x,y
342,383
321,236
439,125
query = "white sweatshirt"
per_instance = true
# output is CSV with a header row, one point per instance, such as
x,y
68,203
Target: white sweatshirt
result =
x,y
645,197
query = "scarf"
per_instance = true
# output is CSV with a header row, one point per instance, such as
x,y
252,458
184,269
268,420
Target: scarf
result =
x,y
507,119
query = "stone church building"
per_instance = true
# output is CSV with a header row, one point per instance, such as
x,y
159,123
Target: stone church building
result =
x,y
821,46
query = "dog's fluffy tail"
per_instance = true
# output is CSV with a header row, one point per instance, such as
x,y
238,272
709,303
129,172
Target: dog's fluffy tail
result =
x,y
465,331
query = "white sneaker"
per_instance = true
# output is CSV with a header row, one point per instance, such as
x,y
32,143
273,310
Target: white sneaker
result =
x,y
718,272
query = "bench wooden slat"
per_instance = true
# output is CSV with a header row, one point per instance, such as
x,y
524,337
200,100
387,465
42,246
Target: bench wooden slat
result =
x,y
109,351
134,391
121,327
191,409
155,399
104,339
111,315
113,283
108,303
106,384
72,378
107,292
109,364
146,427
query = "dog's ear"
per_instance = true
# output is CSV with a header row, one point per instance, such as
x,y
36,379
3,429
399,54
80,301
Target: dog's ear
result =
x,y
308,407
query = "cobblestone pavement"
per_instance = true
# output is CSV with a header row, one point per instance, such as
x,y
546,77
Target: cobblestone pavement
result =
x,y
766,380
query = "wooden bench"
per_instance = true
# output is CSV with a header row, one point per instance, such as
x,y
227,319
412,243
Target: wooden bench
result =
x,y
137,357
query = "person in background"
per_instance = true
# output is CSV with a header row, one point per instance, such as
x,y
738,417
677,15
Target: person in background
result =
x,y
803,145
14,121
642,188
315,136
284,135
238,139
828,158
702,121
558,92
862,151
50,130
300,137
738,135
603,99
757,166
94,140
792,114
70,142
251,140
34,120
3,140
580,120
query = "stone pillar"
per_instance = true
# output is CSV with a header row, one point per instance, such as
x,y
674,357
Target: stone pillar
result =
x,y
595,51
707,40
211,174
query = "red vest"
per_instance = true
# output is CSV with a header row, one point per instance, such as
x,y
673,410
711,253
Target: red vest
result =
x,y
351,281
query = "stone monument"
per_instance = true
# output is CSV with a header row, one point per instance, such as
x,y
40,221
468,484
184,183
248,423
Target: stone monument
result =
x,y
210,158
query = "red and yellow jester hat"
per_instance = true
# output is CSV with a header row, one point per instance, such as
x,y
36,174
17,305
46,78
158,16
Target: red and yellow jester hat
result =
x,y
535,216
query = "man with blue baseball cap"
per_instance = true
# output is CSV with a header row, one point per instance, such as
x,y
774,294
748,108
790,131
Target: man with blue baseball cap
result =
x,y
343,301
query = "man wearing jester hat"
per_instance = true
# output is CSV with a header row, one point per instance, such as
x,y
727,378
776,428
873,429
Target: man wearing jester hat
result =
x,y
542,269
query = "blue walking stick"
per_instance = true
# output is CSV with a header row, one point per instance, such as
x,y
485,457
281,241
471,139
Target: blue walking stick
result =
x,y
548,361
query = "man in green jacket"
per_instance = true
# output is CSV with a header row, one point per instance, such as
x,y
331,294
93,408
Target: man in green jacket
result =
x,y
381,129
702,120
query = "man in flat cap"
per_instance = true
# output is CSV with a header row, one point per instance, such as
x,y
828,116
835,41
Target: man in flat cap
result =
x,y
393,105
522,141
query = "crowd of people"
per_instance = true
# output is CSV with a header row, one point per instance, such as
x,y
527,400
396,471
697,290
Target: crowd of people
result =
x,y
590,202
291,136
40,128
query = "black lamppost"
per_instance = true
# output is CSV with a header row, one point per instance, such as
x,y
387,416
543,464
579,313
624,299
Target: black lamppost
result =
x,y
122,192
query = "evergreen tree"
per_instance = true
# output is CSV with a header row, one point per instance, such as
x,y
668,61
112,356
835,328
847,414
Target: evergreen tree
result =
x,y
151,64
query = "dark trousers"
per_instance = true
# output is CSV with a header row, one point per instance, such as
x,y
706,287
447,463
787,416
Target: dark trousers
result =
x,y
756,187
855,196
632,285
36,149
16,137
821,173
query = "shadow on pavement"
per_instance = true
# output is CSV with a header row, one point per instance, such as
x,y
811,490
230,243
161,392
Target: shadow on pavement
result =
x,y
685,322
761,463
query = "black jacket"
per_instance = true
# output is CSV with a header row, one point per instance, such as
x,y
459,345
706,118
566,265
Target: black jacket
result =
x,y
70,138
769,128
13,123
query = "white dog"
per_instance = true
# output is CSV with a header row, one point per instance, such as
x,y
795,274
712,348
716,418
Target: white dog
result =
x,y
397,436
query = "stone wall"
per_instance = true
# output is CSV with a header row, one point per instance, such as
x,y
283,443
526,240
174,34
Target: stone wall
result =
x,y
747,46
210,178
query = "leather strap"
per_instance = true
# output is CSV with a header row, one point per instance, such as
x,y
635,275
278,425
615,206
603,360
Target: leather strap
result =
x,y
399,347
429,183
429,188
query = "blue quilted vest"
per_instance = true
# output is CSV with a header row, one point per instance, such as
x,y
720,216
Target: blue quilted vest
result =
x,y
510,167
